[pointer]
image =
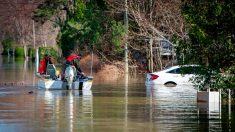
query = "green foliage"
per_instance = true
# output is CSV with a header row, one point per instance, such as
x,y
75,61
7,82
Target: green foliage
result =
x,y
227,79
19,52
80,27
86,26
211,39
118,33
7,44
49,51
211,35
90,28
207,78
79,10
204,76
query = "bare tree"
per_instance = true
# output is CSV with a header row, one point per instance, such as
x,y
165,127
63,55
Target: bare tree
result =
x,y
16,21
157,18
153,19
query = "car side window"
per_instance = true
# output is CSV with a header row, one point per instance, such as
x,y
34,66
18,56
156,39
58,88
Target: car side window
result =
x,y
177,71
174,71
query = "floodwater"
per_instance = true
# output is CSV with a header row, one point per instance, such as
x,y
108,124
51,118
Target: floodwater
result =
x,y
112,106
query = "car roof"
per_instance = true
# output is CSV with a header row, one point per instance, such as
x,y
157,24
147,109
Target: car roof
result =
x,y
178,66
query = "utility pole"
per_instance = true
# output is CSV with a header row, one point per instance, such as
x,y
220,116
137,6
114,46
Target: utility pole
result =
x,y
126,48
151,55
33,35
37,50
150,9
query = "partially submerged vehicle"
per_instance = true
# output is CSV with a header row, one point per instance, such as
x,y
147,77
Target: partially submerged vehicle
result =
x,y
175,75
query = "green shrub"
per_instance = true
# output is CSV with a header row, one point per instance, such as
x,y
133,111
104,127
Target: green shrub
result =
x,y
118,34
49,51
216,80
19,52
7,44
227,79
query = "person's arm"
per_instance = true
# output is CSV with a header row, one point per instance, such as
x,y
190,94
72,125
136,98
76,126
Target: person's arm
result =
x,y
76,64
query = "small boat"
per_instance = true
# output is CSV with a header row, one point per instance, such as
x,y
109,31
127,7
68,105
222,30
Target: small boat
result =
x,y
52,81
50,84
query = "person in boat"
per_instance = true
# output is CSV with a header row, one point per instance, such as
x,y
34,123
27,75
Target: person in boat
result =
x,y
43,64
73,59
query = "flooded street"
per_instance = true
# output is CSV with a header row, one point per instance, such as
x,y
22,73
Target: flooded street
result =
x,y
109,106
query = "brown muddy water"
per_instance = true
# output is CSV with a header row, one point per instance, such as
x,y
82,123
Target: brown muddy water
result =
x,y
115,106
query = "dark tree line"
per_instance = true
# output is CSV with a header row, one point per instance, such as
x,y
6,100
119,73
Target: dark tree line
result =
x,y
211,35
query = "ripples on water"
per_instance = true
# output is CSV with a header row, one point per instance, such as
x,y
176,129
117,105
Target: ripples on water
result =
x,y
105,108
109,106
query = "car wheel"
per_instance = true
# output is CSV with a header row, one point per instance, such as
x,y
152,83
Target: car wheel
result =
x,y
170,84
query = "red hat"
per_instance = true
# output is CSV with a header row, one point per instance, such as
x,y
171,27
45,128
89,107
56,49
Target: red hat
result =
x,y
72,57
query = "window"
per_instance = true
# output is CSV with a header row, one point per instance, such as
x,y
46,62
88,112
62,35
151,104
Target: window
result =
x,y
174,71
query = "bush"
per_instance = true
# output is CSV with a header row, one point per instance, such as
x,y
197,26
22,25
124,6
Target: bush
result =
x,y
216,80
19,52
227,79
206,77
7,44
49,51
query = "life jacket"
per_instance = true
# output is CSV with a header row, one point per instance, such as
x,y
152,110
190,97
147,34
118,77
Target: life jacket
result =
x,y
72,57
42,66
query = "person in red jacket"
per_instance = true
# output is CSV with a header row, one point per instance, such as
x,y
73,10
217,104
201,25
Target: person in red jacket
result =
x,y
43,64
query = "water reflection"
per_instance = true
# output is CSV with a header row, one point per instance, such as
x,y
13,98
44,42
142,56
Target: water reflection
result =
x,y
124,105
45,110
68,109
103,109
209,110
178,105
16,71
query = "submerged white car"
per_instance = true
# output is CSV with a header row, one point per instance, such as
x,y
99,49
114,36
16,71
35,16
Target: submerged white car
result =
x,y
175,75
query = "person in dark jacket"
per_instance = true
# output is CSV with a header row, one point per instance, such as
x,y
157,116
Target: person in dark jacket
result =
x,y
73,59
